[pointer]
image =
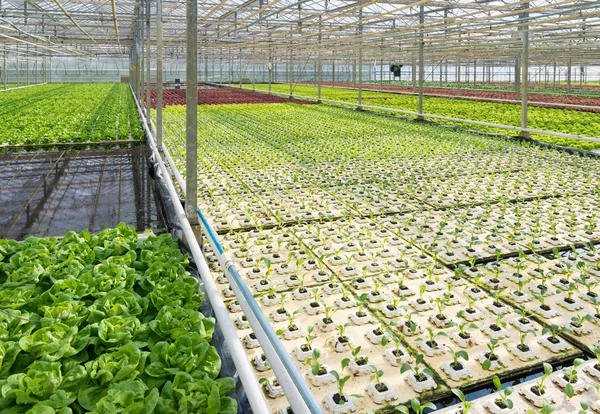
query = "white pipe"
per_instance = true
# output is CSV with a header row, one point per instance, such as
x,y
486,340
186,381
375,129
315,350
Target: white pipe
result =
x,y
21,87
253,390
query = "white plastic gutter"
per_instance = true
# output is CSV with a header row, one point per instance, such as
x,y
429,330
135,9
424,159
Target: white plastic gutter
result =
x,y
22,87
252,388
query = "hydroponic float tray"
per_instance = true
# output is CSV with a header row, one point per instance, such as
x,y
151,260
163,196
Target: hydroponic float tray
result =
x,y
525,398
566,285
49,193
274,244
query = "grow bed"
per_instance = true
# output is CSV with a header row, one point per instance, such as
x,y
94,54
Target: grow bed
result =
x,y
295,270
389,201
559,120
583,396
261,167
219,96
49,193
579,103
54,113
107,323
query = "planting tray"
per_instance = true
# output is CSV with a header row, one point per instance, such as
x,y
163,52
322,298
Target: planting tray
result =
x,y
523,399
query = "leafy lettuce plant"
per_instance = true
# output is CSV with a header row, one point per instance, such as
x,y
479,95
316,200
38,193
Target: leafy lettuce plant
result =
x,y
197,395
171,323
189,353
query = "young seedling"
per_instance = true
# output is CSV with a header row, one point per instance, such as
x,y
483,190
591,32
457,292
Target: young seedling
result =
x,y
316,367
463,328
360,360
416,406
570,375
466,405
456,356
490,356
554,331
431,342
539,389
376,377
523,347
502,400
339,398
309,338
420,374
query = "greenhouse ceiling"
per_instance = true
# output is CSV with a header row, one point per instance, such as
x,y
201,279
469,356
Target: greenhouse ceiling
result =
x,y
281,29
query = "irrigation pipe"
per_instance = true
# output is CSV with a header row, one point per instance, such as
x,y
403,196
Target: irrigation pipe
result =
x,y
297,392
22,87
248,378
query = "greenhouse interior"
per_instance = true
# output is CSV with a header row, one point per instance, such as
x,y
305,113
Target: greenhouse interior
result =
x,y
300,206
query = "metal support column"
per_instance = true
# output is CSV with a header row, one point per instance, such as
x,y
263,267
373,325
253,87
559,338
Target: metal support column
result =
x,y
381,75
333,70
191,102
320,66
475,72
291,71
270,69
458,80
421,59
360,60
159,74
148,62
4,72
525,67
413,73
554,75
518,76
569,67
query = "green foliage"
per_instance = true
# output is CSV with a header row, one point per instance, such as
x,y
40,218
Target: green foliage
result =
x,y
68,113
106,324
558,120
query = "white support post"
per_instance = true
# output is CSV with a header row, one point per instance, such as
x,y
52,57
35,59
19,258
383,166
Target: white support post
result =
x,y
5,73
569,71
159,74
320,65
191,102
360,60
291,70
148,63
421,59
525,68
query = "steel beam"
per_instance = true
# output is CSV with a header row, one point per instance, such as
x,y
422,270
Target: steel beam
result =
x,y
159,74
191,102
525,68
148,63
421,59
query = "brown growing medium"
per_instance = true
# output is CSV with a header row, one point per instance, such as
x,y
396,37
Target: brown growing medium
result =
x,y
217,96
482,95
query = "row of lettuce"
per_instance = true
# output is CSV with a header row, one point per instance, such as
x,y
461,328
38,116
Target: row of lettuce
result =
x,y
556,120
105,323
68,113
